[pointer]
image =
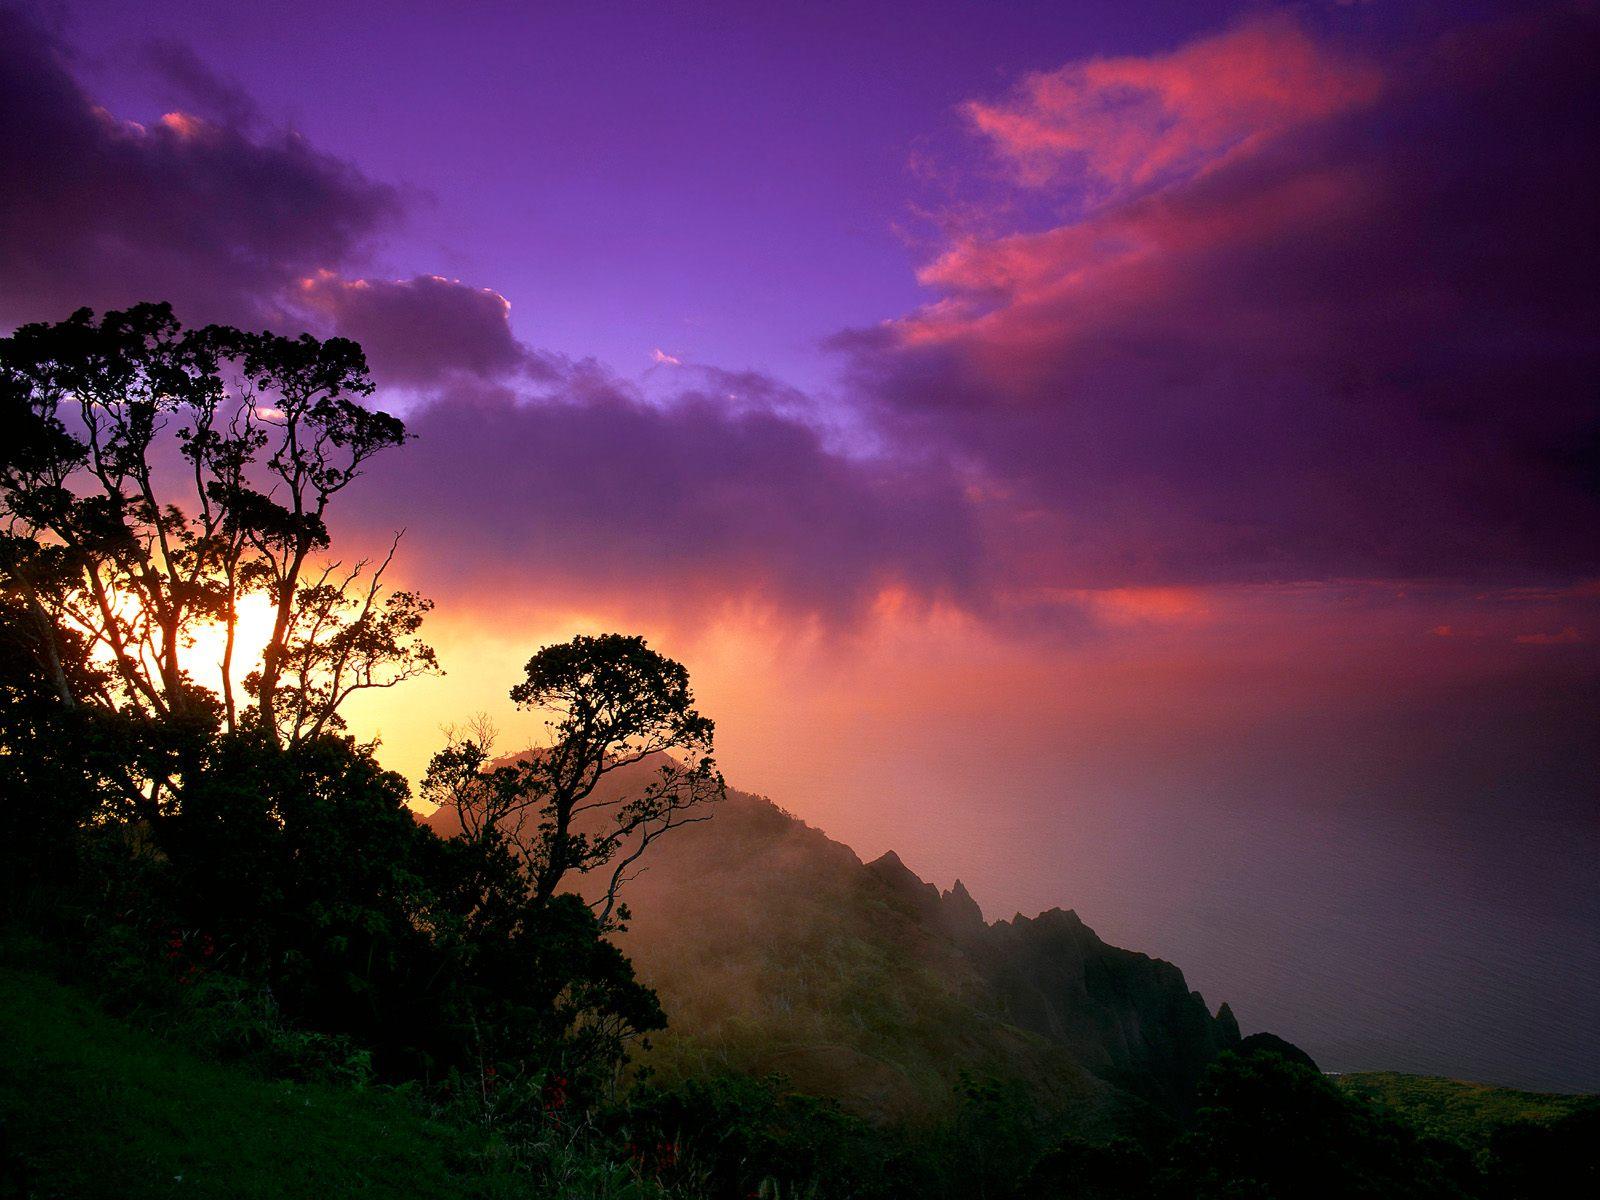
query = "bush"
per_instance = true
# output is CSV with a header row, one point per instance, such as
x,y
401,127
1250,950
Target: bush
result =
x,y
1271,1128
733,1136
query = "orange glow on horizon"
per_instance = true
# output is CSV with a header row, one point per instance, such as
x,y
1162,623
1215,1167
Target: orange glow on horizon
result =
x,y
206,643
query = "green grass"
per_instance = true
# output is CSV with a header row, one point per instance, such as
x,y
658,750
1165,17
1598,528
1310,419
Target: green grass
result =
x,y
95,1108
1466,1113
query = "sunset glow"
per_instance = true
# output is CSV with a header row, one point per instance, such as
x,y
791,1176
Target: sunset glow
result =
x,y
252,630
1133,457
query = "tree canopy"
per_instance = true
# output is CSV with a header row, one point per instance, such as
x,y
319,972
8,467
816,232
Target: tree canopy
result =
x,y
175,789
612,702
155,476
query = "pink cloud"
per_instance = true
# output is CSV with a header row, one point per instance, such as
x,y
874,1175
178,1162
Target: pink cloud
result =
x,y
1566,637
1126,122
1364,351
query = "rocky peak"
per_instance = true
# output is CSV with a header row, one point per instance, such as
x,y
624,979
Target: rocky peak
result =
x,y
960,911
1227,1025
902,881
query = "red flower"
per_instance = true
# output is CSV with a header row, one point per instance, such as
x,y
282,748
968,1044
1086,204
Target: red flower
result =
x,y
555,1095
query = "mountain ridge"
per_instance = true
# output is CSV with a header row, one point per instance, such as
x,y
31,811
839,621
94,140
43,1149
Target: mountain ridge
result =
x,y
777,950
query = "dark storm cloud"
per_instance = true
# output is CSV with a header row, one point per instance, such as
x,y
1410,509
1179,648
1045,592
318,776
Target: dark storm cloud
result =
x,y
103,212
424,330
593,494
1363,342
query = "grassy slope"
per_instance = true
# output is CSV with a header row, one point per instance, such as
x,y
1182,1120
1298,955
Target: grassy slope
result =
x,y
94,1108
1456,1110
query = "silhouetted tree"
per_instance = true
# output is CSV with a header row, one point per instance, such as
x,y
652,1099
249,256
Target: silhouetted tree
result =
x,y
151,478
1083,1170
1272,1128
1540,1159
47,751
614,703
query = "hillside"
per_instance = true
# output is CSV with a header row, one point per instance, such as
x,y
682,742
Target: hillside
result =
x,y
1459,1111
94,1108
777,950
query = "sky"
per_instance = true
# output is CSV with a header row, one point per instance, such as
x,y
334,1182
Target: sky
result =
x,y
1142,457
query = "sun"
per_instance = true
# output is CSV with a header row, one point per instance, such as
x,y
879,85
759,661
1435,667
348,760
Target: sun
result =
x,y
252,631
205,642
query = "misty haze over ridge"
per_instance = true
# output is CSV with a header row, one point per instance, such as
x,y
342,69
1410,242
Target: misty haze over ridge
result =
x,y
775,949
1327,962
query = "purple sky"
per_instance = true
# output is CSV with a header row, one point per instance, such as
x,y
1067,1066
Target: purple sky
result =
x,y
1191,406
727,182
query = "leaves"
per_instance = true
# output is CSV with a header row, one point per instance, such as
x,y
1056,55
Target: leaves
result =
x,y
106,535
613,702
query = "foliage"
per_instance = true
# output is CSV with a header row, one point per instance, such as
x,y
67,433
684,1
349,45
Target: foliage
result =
x,y
614,704
93,1108
303,874
1532,1160
855,982
1077,1169
155,477
1466,1113
45,757
298,962
1271,1128
726,1135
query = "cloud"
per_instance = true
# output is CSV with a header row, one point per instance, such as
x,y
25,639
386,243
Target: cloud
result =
x,y
423,330
203,209
1125,122
1324,320
1366,351
104,212
720,493
197,86
1568,636
590,495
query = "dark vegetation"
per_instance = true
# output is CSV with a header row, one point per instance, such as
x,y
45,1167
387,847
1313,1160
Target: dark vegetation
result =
x,y
249,970
863,983
1463,1112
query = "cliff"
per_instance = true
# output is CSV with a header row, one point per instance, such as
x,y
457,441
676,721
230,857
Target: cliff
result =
x,y
776,950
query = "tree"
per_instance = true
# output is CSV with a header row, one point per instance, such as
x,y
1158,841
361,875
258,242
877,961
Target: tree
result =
x,y
153,477
47,784
342,635
1272,1127
614,703
1536,1159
